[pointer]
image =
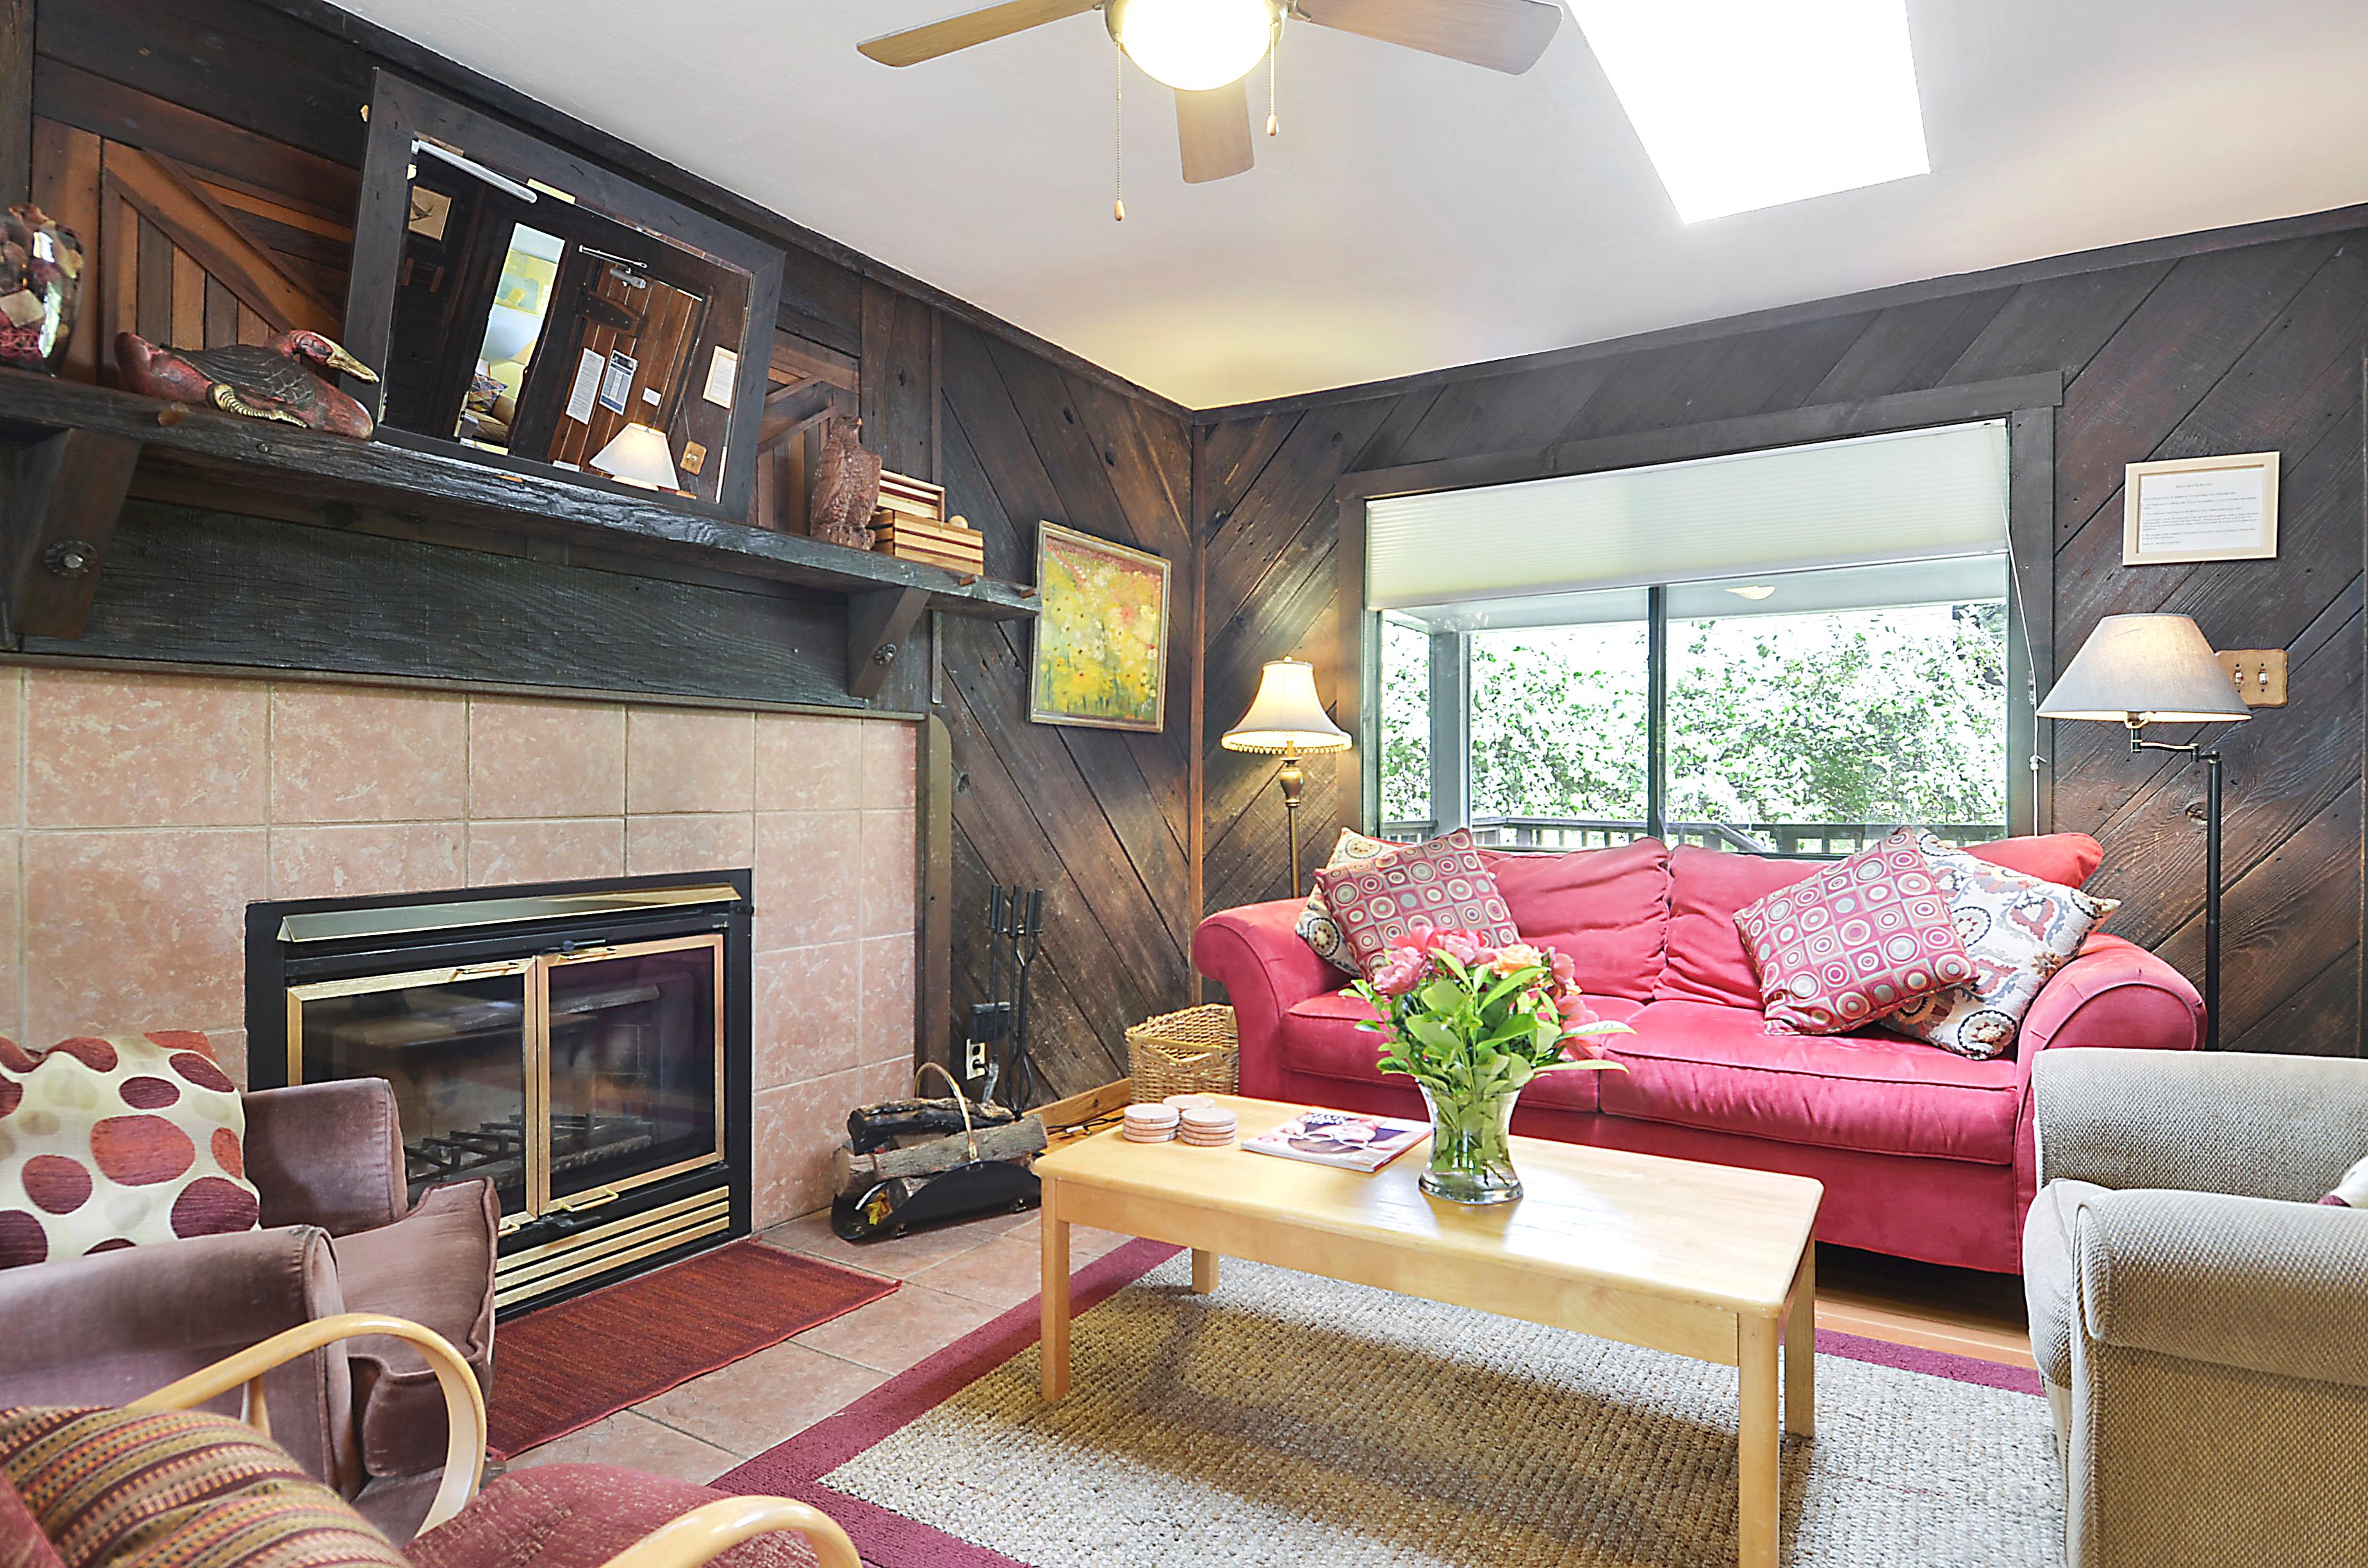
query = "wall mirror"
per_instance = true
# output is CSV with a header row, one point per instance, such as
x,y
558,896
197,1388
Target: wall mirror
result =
x,y
532,310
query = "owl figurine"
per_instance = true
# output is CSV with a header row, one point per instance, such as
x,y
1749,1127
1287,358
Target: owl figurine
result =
x,y
846,487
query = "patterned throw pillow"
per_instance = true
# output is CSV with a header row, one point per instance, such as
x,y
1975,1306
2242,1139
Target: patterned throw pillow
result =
x,y
1316,927
1854,942
177,1489
2018,930
1440,886
109,1143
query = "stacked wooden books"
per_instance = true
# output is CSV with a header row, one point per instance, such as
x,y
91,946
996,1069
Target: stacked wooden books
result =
x,y
912,525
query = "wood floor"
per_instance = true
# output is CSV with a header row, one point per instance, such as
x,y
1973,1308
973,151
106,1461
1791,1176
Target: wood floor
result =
x,y
1962,1311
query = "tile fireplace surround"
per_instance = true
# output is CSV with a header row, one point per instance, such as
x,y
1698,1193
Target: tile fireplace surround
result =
x,y
140,814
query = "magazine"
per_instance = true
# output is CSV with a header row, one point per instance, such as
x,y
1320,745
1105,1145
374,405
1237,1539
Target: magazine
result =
x,y
1341,1138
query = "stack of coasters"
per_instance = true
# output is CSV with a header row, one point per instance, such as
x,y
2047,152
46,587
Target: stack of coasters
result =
x,y
1150,1123
1208,1127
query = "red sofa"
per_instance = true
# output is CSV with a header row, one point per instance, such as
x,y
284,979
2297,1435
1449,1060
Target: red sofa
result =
x,y
1923,1154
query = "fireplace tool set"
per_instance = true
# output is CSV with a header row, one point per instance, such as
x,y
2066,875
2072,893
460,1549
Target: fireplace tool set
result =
x,y
912,1163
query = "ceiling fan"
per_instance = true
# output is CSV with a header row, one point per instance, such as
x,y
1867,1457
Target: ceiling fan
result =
x,y
1206,48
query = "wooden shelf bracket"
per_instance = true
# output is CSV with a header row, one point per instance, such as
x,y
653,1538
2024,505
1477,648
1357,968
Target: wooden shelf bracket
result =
x,y
69,489
878,624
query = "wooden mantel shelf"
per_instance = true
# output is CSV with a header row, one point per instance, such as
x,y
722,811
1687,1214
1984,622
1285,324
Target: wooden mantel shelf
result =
x,y
83,445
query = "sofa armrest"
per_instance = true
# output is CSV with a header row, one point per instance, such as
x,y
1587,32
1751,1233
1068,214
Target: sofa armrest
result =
x,y
1257,954
433,1266
109,1327
326,1154
2275,1127
2114,994
2271,1287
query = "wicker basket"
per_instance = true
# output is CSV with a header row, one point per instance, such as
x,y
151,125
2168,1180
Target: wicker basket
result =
x,y
1195,1051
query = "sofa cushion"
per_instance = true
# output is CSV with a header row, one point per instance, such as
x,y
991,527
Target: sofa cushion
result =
x,y
1857,940
1438,886
580,1516
177,1489
1707,961
2047,1275
2068,860
2019,930
380,1270
1315,926
1320,1038
1691,1065
1609,909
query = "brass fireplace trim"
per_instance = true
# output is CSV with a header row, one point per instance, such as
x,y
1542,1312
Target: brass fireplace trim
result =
x,y
409,919
535,1271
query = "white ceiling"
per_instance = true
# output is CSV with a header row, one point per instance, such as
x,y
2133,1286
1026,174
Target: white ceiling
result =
x,y
1419,214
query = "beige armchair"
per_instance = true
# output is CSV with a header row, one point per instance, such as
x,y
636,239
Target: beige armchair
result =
x,y
2201,1324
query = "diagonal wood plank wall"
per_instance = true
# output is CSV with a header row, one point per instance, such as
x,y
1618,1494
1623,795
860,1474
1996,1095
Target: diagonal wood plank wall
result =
x,y
2211,346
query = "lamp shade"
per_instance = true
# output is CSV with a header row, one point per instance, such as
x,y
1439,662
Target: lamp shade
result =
x,y
638,455
1286,717
2143,669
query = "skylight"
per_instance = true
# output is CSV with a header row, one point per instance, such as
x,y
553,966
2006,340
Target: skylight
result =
x,y
1744,104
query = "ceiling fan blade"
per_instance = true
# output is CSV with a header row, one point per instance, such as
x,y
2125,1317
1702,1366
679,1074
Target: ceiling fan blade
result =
x,y
1214,128
916,44
1503,35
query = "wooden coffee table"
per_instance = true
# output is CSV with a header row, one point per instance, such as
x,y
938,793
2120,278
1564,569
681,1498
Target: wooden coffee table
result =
x,y
1703,1260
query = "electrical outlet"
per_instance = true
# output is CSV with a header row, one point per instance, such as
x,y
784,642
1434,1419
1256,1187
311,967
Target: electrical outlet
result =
x,y
2259,675
974,1059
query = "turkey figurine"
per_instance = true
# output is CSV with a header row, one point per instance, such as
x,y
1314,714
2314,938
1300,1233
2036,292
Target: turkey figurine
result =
x,y
281,379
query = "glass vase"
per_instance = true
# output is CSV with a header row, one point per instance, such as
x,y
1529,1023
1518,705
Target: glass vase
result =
x,y
1471,1148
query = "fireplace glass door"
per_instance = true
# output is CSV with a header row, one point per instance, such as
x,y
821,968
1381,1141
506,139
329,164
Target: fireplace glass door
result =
x,y
634,1065
454,1043
567,1077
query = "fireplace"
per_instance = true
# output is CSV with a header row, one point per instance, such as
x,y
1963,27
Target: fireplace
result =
x,y
585,1045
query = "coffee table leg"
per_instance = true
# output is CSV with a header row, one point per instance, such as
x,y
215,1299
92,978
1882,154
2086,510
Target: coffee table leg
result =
x,y
1056,1295
1204,1272
1758,1490
1801,1350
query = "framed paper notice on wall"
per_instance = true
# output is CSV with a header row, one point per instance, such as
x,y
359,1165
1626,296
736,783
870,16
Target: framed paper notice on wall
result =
x,y
2200,509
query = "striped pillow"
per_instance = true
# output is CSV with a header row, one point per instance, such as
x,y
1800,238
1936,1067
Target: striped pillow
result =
x,y
177,1489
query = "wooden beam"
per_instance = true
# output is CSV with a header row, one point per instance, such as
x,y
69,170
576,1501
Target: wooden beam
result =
x,y
799,358
15,101
69,489
877,625
186,214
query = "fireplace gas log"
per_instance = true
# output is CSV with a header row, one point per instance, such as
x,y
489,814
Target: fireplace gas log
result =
x,y
853,1174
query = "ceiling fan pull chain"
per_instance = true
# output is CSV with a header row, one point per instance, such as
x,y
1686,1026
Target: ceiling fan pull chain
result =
x,y
1273,119
1118,162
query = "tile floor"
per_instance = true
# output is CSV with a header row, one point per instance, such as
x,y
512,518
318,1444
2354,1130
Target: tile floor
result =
x,y
955,1280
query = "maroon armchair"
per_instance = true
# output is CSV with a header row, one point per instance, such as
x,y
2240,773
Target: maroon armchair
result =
x,y
338,1234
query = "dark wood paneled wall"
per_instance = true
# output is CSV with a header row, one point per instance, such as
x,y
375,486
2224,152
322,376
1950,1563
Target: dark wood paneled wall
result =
x,y
208,148
2227,343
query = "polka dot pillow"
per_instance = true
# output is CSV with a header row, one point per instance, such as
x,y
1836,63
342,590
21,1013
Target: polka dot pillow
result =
x,y
107,1144
1316,926
1854,942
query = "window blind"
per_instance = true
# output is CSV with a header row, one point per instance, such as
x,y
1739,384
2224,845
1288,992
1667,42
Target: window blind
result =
x,y
1914,496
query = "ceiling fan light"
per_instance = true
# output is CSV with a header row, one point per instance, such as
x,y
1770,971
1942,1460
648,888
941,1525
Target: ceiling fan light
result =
x,y
1193,45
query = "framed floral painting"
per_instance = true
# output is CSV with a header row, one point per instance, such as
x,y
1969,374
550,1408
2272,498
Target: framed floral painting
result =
x,y
1101,633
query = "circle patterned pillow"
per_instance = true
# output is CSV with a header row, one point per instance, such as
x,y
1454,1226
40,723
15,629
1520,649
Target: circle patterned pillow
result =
x,y
1855,942
118,1143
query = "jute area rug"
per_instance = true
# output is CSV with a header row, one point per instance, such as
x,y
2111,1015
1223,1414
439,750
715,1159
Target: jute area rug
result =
x,y
1290,1420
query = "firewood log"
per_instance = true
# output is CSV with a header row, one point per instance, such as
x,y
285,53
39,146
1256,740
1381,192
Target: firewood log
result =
x,y
853,1175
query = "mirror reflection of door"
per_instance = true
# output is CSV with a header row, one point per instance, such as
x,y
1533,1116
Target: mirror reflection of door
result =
x,y
534,327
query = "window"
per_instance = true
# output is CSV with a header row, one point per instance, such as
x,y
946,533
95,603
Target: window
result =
x,y
1790,709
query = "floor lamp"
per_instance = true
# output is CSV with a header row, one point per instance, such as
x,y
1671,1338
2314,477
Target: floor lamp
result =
x,y
2143,669
1286,720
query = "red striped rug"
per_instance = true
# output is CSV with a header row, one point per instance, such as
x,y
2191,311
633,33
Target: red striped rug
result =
x,y
562,1367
